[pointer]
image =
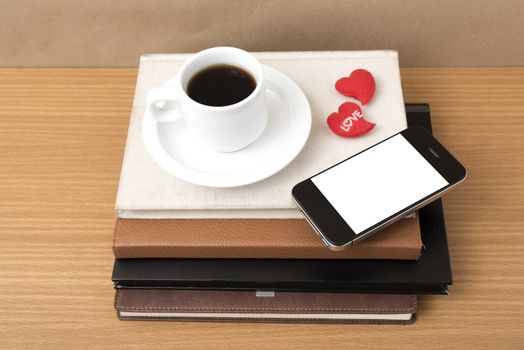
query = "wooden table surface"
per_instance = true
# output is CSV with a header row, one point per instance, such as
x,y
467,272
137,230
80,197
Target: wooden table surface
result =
x,y
62,137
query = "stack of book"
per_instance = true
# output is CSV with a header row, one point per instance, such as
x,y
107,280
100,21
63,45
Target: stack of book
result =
x,y
188,252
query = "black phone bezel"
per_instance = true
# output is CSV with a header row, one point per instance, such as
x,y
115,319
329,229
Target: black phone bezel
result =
x,y
333,229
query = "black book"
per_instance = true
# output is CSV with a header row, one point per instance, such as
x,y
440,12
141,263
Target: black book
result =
x,y
431,274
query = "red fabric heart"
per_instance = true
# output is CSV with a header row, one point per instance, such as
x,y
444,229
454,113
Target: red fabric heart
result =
x,y
359,85
349,121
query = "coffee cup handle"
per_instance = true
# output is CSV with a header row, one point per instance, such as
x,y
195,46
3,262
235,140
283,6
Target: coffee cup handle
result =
x,y
163,104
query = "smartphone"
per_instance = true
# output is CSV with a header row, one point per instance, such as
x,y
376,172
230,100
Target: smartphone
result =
x,y
361,195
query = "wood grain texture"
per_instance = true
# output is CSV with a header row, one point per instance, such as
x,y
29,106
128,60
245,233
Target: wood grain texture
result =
x,y
62,136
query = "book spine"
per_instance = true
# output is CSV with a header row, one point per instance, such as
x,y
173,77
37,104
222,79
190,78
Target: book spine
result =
x,y
254,239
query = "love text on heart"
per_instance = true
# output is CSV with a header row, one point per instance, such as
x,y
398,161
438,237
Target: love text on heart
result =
x,y
348,122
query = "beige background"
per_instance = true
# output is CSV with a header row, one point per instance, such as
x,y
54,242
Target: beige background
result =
x,y
115,33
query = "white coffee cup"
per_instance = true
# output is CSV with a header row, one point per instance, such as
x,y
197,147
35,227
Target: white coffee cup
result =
x,y
222,129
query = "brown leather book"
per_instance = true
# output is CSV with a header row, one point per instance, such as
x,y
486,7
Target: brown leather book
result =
x,y
263,306
254,238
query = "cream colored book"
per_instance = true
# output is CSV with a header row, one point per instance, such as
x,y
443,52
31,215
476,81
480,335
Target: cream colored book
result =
x,y
147,191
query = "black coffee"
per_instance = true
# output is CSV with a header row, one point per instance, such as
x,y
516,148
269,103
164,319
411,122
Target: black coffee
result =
x,y
221,85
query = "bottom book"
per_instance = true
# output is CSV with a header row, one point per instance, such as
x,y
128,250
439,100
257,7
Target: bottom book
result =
x,y
263,306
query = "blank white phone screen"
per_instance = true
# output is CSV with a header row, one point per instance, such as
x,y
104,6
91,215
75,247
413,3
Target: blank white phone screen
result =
x,y
378,183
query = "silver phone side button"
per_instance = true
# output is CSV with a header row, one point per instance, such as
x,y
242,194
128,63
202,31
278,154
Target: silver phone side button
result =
x,y
433,152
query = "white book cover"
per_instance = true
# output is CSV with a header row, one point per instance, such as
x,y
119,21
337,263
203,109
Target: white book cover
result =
x,y
147,191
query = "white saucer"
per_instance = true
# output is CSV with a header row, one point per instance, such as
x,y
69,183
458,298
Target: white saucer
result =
x,y
172,146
